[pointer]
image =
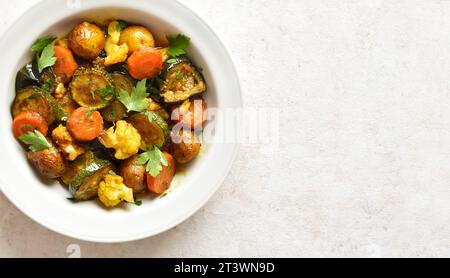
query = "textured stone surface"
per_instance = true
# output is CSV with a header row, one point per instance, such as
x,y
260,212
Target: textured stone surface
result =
x,y
363,166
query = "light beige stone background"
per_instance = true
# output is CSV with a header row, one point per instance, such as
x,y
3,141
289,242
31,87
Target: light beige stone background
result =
x,y
364,164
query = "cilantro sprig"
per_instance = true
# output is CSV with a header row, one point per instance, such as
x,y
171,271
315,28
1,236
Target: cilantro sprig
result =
x,y
36,141
138,100
177,46
104,92
155,161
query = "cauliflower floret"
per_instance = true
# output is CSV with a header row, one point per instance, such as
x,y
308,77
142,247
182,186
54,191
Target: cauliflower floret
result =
x,y
115,53
64,140
112,191
125,140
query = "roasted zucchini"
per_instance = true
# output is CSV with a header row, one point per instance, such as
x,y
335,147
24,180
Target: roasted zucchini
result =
x,y
153,129
92,88
117,111
85,174
37,100
182,81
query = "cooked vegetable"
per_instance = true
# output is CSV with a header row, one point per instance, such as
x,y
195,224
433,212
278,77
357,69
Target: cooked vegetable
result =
x,y
48,162
29,121
65,65
35,140
125,139
153,129
185,146
85,174
67,105
178,45
87,40
145,62
182,82
112,191
27,76
138,100
191,114
115,53
36,100
65,142
85,124
92,87
162,181
136,37
117,111
133,174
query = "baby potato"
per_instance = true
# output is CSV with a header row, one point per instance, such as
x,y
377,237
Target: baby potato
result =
x,y
133,174
87,40
48,162
136,37
185,146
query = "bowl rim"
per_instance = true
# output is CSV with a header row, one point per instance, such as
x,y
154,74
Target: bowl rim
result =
x,y
181,217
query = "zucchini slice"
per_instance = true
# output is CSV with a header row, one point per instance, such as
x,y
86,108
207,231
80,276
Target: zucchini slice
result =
x,y
92,88
182,82
85,174
153,129
117,111
37,100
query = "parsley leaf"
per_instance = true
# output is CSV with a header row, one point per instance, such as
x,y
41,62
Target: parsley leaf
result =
x,y
178,45
41,43
137,101
155,160
121,26
48,85
138,203
46,58
36,141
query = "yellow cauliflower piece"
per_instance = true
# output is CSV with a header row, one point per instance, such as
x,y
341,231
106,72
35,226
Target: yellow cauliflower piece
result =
x,y
115,53
125,139
112,191
64,140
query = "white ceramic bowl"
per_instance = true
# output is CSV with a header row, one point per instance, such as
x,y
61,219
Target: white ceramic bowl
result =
x,y
47,203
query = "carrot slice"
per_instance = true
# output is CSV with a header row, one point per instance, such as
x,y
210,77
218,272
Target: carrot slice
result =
x,y
194,117
85,125
29,121
145,62
161,183
65,65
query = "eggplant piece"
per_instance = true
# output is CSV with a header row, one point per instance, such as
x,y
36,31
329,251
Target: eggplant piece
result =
x,y
37,100
92,88
28,76
182,81
85,174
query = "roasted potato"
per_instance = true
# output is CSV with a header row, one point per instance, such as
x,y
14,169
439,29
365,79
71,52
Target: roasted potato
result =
x,y
48,162
136,37
87,40
185,146
133,174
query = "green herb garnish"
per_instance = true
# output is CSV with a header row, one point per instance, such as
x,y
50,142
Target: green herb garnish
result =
x,y
121,26
138,203
104,93
41,43
36,141
48,85
138,100
178,45
155,161
46,59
